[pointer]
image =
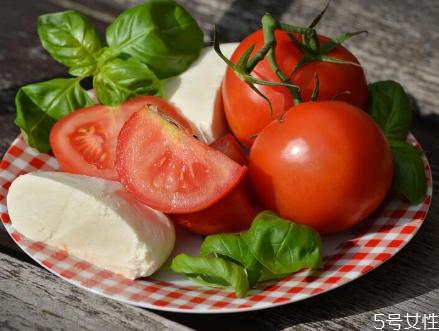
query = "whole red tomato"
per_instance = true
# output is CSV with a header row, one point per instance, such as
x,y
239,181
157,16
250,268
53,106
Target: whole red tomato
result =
x,y
325,164
248,113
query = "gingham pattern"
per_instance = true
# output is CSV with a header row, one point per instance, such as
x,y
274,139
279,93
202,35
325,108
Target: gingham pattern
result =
x,y
355,253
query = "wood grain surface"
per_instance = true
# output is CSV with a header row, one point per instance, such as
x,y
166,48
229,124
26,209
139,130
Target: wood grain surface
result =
x,y
402,44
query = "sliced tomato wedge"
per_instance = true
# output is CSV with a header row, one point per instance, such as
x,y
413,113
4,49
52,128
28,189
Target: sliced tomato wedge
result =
x,y
84,142
168,169
236,211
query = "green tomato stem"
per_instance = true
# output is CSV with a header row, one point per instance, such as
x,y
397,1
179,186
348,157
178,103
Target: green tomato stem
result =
x,y
269,25
313,40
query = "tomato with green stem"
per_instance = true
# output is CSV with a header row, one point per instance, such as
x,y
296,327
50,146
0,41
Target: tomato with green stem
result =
x,y
280,54
247,112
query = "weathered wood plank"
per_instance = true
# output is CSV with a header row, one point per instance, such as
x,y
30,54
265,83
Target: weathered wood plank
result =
x,y
35,300
401,44
22,58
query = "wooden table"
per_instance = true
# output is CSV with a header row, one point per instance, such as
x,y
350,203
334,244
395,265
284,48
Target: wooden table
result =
x,y
403,44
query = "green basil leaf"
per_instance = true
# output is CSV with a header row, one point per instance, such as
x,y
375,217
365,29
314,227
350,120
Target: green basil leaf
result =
x,y
71,40
212,271
282,246
120,79
408,171
40,105
267,275
389,106
160,33
106,54
232,246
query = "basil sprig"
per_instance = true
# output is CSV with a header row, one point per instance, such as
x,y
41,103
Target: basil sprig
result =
x,y
281,246
272,248
156,39
390,108
159,33
389,105
212,271
233,247
408,171
71,40
120,79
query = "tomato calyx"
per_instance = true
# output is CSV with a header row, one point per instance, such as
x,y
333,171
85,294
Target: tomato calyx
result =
x,y
309,45
245,66
313,51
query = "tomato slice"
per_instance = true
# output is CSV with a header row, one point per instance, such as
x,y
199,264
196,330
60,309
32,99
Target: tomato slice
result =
x,y
236,211
84,142
168,169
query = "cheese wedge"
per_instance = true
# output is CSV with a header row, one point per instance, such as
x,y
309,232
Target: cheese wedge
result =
x,y
93,219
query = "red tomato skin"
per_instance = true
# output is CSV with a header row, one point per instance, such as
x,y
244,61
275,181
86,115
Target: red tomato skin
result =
x,y
105,123
168,169
233,213
229,146
325,164
247,113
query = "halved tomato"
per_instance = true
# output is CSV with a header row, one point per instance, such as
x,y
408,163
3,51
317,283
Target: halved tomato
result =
x,y
84,142
236,211
168,169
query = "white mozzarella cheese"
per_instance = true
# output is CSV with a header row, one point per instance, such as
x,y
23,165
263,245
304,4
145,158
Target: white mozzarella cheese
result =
x,y
93,219
196,93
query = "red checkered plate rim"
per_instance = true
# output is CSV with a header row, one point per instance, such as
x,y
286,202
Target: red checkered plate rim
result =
x,y
347,256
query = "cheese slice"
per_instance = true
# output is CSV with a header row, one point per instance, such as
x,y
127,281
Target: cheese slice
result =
x,y
93,219
196,93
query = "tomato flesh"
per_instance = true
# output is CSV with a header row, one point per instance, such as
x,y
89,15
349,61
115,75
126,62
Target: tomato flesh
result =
x,y
247,113
325,164
168,169
234,212
84,142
